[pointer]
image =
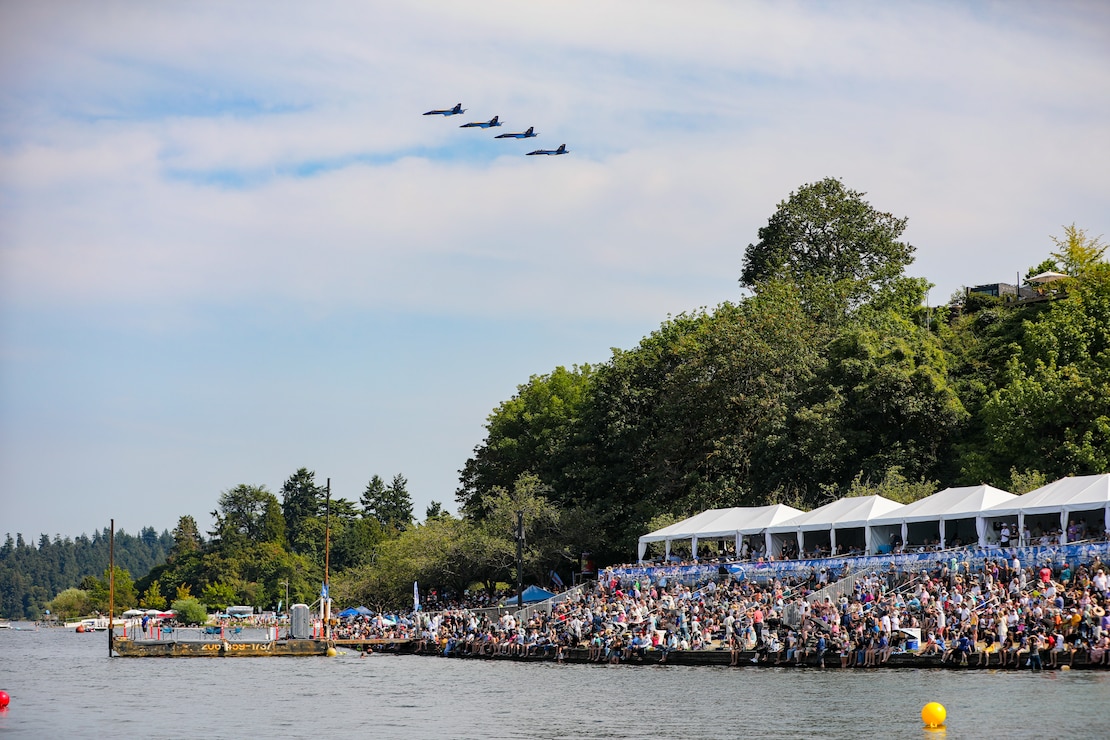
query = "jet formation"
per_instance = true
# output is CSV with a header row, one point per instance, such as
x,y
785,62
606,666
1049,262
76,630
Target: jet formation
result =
x,y
494,123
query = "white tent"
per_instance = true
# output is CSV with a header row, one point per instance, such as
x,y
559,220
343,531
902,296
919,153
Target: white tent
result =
x,y
731,523
843,516
1053,506
946,515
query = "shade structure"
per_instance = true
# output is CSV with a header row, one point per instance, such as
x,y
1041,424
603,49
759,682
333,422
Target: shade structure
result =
x,y
854,513
952,512
1046,277
731,523
1058,503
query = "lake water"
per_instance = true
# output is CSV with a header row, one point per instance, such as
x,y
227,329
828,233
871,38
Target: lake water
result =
x,y
63,684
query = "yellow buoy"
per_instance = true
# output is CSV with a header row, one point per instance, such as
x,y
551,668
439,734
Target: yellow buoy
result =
x,y
331,654
933,714
1065,668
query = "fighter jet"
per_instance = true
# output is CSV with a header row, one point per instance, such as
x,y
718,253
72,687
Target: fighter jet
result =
x,y
449,112
482,124
561,150
523,135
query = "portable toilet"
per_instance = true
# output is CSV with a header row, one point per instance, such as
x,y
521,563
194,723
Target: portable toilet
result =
x,y
300,622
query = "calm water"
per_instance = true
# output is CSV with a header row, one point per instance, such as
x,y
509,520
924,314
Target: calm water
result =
x,y
63,684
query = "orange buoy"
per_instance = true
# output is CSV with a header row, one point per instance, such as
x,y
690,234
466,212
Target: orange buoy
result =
x,y
933,714
80,628
4,699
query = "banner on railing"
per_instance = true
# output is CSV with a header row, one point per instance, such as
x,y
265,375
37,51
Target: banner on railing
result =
x,y
1056,555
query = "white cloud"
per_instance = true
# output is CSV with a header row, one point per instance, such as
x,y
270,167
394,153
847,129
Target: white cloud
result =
x,y
166,162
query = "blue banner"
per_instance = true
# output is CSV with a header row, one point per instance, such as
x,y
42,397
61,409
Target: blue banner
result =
x,y
974,557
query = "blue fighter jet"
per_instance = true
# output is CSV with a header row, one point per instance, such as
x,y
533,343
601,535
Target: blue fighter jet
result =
x,y
482,124
449,112
523,135
561,150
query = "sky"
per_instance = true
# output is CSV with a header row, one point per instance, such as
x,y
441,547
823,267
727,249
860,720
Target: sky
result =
x,y
232,247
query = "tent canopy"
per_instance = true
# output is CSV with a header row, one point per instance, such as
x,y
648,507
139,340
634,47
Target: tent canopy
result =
x,y
724,523
857,511
532,594
1067,494
951,503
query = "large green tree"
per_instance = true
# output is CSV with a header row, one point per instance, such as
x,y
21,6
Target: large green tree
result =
x,y
831,242
301,501
532,432
390,504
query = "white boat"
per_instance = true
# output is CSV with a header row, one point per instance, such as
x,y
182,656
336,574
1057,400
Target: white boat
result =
x,y
5,625
92,624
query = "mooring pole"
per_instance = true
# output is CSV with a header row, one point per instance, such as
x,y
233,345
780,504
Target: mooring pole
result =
x,y
327,563
111,588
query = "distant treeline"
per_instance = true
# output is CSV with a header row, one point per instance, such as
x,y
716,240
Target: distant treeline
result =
x,y
31,575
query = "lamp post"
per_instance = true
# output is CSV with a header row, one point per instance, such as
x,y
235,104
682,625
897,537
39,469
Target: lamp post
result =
x,y
520,560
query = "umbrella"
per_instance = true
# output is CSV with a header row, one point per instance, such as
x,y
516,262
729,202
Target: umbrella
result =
x,y
1046,277
133,613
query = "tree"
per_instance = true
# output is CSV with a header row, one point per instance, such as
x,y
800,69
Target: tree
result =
x,y
69,604
832,243
246,512
186,536
374,496
531,432
190,611
152,597
301,500
882,402
391,505
434,510
1047,407
1078,252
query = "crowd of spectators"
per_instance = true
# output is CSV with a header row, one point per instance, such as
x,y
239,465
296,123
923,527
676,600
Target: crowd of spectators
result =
x,y
1035,614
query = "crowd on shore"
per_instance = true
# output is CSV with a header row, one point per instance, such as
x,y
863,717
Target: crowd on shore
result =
x,y
1040,615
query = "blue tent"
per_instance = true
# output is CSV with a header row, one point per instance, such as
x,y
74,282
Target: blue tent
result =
x,y
347,613
363,611
532,594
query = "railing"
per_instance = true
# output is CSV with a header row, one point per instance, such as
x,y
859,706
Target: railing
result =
x,y
525,614
199,634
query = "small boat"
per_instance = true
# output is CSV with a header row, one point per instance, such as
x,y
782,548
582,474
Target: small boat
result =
x,y
93,624
5,625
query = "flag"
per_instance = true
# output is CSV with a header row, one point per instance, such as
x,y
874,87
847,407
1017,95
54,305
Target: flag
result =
x,y
415,596
279,605
323,590
557,580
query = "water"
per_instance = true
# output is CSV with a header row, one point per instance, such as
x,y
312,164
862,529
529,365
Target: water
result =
x,y
63,685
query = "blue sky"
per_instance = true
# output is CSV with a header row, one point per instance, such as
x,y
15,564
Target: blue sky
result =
x,y
231,246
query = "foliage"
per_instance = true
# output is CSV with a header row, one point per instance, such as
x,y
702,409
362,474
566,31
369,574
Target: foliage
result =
x,y
532,432
1024,482
152,597
301,501
893,486
32,574
1078,253
829,241
391,505
189,611
70,604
